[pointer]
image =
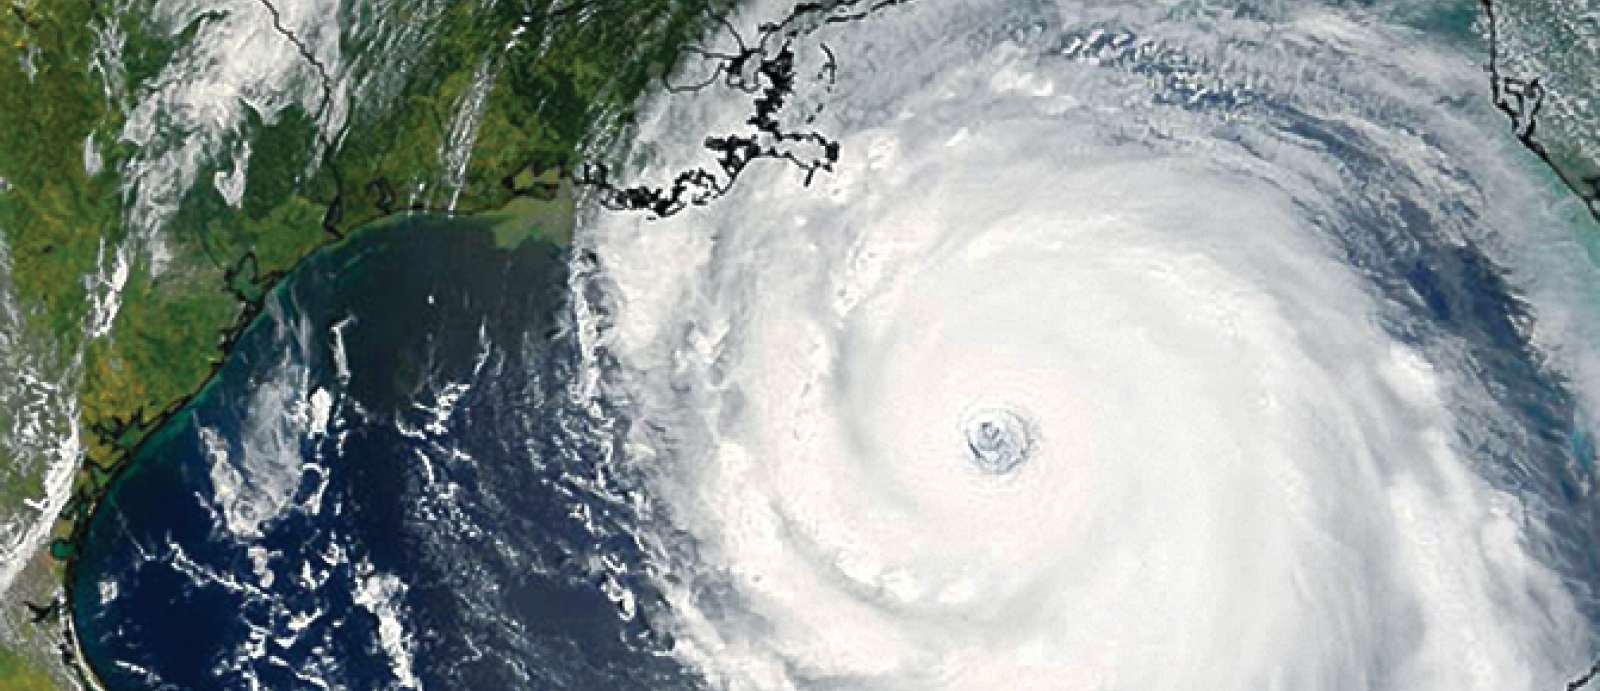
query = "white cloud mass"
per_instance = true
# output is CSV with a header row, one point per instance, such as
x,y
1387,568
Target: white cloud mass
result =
x,y
1168,242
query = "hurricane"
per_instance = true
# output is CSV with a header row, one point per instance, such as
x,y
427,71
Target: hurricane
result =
x,y
1090,345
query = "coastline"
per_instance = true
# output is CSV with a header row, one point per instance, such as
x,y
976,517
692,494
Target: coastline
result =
x,y
545,220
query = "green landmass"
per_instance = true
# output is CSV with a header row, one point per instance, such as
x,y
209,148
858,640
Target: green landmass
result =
x,y
18,673
556,72
1547,83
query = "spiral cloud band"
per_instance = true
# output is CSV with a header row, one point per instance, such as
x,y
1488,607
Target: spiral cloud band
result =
x,y
1085,368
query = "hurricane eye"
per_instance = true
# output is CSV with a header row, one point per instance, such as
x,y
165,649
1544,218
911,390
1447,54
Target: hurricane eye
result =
x,y
998,440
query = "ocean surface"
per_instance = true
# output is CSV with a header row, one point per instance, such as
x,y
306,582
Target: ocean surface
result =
x,y
955,344
386,486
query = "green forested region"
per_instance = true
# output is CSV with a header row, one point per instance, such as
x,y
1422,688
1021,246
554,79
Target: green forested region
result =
x,y
545,72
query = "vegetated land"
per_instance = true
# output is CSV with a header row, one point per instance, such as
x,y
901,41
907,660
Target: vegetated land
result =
x,y
1545,74
553,72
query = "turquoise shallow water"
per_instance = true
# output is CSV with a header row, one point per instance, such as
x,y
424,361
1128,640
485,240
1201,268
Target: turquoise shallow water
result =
x,y
394,484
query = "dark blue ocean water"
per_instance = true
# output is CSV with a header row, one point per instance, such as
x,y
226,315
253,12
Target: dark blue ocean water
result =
x,y
452,524
456,524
